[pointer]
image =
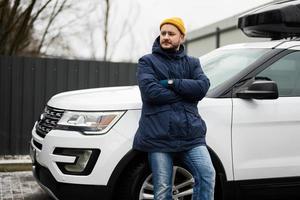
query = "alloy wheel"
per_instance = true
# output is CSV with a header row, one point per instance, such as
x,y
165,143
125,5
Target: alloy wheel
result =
x,y
182,180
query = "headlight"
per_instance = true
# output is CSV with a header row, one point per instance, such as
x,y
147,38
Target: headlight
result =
x,y
89,122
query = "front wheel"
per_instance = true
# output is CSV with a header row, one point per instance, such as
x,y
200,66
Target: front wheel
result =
x,y
182,185
137,183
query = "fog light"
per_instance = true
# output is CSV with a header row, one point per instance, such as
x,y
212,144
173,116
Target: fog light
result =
x,y
83,157
84,162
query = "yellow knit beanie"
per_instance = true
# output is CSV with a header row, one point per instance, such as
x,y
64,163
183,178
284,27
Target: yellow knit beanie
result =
x,y
176,21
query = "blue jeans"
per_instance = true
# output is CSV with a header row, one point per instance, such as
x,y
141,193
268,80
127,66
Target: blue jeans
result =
x,y
199,164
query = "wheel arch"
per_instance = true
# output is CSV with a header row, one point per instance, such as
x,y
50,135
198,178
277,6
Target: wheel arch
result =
x,y
222,191
218,165
133,157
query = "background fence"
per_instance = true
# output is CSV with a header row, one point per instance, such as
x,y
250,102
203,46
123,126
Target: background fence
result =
x,y
26,84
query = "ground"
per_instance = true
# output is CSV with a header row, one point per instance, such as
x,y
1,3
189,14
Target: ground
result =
x,y
20,186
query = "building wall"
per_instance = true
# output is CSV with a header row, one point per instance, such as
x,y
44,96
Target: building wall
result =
x,y
206,43
236,36
202,46
224,32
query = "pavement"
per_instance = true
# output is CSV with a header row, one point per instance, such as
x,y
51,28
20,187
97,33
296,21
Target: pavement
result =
x,y
10,163
16,180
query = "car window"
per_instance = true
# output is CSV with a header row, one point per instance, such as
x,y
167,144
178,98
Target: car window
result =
x,y
286,73
222,64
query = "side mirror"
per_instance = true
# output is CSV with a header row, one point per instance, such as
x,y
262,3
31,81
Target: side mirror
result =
x,y
260,89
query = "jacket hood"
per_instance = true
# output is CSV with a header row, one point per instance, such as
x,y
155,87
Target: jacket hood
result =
x,y
156,48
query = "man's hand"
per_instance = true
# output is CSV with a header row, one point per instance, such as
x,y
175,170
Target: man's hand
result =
x,y
164,83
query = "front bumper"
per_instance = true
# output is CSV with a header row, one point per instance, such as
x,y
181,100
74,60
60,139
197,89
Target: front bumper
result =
x,y
68,191
109,144
60,185
113,146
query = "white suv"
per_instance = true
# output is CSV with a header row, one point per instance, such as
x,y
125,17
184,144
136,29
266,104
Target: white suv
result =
x,y
82,145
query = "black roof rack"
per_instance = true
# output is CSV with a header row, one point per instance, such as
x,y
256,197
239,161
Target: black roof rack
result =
x,y
277,21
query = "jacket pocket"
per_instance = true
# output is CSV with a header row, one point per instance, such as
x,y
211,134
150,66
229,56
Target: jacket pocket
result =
x,y
156,123
178,124
196,125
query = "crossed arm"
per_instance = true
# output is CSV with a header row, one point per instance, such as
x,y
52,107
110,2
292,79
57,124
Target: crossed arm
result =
x,y
157,91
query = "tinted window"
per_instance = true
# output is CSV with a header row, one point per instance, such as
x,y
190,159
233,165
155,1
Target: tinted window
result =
x,y
286,73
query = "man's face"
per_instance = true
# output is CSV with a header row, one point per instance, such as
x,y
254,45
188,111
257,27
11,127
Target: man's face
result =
x,y
170,37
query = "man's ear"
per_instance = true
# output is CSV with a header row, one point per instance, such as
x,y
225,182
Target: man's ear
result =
x,y
182,38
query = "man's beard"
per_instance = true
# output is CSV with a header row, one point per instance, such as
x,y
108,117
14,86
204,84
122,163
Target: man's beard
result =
x,y
174,48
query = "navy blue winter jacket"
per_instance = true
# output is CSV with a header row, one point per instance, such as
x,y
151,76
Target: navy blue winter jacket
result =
x,y
170,121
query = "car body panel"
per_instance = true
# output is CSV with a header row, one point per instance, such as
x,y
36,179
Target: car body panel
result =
x,y
266,138
217,113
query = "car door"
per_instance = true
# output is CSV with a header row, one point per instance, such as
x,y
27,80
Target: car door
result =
x,y
266,133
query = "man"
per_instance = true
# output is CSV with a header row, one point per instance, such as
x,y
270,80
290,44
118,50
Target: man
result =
x,y
171,85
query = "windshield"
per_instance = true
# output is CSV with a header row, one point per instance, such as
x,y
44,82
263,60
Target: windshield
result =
x,y
222,64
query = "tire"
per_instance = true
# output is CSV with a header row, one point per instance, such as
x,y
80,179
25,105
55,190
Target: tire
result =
x,y
131,181
136,183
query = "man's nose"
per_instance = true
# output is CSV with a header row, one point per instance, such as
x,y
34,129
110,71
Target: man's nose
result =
x,y
166,36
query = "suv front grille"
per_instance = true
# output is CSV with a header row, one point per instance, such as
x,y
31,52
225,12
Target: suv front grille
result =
x,y
48,121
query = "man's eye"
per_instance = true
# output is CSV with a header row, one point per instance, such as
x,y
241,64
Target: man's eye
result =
x,y
167,33
164,33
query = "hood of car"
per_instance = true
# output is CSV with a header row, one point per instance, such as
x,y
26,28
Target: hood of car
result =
x,y
99,99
